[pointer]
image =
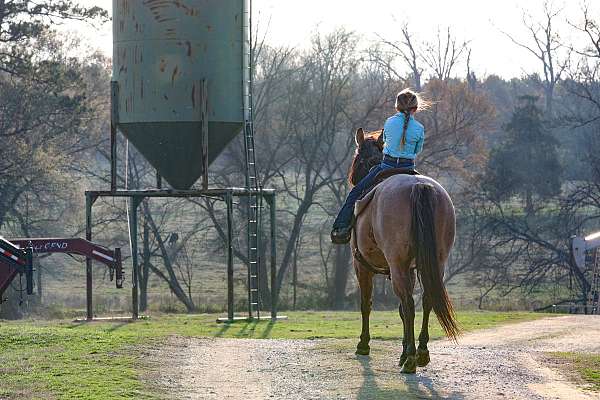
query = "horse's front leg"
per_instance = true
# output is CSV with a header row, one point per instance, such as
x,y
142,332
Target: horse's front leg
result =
x,y
365,283
403,356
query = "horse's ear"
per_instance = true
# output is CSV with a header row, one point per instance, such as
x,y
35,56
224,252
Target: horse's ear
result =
x,y
360,137
380,140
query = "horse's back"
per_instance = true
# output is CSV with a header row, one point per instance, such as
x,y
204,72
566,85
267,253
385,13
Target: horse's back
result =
x,y
396,191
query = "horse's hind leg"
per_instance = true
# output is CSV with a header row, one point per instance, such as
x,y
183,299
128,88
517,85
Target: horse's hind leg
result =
x,y
365,282
422,351
403,283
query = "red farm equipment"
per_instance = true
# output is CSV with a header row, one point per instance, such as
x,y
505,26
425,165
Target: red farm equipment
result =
x,y
16,257
15,261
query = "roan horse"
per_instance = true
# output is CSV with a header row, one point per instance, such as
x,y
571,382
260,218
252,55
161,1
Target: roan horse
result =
x,y
407,223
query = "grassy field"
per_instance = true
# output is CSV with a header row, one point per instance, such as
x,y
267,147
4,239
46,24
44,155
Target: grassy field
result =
x,y
101,360
586,367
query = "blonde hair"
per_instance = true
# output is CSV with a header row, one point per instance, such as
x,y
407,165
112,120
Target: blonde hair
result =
x,y
407,101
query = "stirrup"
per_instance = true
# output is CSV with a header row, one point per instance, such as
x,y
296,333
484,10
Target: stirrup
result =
x,y
341,235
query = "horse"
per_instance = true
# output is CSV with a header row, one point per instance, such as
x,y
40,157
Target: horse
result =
x,y
404,227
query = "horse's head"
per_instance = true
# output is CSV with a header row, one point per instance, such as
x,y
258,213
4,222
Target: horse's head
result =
x,y
369,149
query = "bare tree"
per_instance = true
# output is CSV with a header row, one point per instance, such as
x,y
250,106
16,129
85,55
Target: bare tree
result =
x,y
471,77
443,54
546,46
407,50
584,78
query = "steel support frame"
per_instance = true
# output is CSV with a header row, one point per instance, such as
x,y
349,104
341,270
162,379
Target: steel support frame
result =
x,y
114,121
271,200
135,199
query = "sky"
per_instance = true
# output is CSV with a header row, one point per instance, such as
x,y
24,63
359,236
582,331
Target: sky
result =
x,y
480,22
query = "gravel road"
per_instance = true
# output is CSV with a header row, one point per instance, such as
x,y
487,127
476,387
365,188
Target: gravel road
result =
x,y
508,362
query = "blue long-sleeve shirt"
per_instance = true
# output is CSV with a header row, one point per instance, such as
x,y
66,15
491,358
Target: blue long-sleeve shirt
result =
x,y
392,137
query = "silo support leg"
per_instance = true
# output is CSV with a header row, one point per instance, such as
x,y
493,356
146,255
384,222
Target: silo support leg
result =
x,y
204,124
114,121
133,233
273,229
229,203
89,202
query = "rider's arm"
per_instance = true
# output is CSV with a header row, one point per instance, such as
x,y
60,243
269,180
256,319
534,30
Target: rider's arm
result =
x,y
419,146
386,135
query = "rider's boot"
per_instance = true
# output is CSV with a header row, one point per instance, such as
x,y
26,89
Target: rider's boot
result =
x,y
341,234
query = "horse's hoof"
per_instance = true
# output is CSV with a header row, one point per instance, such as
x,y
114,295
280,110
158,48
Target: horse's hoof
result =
x,y
422,357
410,366
403,358
363,351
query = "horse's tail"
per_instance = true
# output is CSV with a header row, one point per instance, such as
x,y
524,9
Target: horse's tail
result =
x,y
428,268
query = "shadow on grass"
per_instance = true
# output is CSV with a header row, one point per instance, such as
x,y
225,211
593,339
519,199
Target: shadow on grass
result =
x,y
76,324
267,332
247,329
223,330
417,386
117,326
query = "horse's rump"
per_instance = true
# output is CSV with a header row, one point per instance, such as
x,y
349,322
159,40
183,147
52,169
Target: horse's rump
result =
x,y
385,215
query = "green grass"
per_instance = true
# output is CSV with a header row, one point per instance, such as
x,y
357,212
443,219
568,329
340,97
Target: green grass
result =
x,y
101,360
587,367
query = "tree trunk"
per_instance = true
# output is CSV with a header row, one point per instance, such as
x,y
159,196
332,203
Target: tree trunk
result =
x,y
291,244
10,308
265,273
171,277
337,293
145,271
528,202
39,283
417,77
549,98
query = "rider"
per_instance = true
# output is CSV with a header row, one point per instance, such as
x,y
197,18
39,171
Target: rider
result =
x,y
403,140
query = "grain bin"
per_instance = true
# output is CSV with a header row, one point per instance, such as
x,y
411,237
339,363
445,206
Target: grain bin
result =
x,y
163,50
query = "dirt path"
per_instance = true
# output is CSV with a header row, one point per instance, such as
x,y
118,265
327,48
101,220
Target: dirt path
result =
x,y
501,363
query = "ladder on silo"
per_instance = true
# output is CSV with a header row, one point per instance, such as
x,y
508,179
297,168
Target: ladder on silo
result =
x,y
254,224
594,293
252,181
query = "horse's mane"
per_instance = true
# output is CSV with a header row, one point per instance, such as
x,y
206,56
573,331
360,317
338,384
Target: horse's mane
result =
x,y
373,135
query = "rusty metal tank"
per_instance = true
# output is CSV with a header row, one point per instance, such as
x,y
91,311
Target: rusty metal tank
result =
x,y
162,50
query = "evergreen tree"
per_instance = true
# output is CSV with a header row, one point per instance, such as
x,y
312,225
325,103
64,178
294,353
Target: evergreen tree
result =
x,y
526,164
24,22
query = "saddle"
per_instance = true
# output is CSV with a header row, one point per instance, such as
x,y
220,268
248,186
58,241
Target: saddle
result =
x,y
379,178
386,173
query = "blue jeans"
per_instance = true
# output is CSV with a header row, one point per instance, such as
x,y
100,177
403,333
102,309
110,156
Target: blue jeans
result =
x,y
344,217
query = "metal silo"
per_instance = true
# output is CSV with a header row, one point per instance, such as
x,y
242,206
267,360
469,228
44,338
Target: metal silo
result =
x,y
163,51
